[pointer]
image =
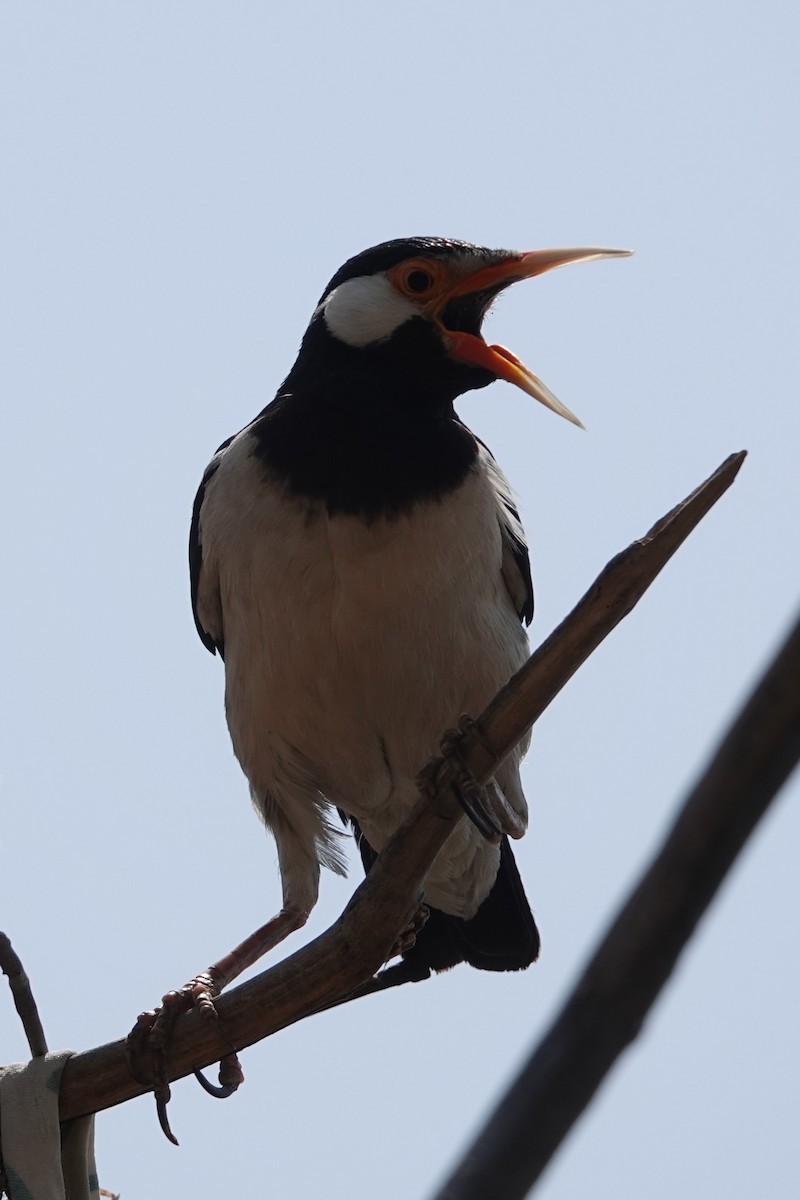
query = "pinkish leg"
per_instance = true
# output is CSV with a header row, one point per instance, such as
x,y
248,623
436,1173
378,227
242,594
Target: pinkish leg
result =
x,y
148,1041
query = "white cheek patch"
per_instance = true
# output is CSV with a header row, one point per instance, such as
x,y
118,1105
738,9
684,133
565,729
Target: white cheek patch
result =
x,y
365,310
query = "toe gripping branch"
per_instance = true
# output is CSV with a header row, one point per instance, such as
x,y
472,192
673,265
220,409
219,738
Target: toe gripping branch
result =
x,y
148,1043
486,806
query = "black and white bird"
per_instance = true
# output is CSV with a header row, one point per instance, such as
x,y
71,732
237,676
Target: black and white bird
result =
x,y
358,562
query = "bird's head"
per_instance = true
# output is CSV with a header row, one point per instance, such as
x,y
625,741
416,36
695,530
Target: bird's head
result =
x,y
411,311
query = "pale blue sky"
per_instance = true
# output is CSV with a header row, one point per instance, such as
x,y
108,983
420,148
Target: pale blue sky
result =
x,y
179,182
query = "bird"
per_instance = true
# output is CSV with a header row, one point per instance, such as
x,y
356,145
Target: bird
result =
x,y
358,562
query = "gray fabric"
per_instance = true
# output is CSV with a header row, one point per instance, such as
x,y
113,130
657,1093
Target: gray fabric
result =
x,y
43,1159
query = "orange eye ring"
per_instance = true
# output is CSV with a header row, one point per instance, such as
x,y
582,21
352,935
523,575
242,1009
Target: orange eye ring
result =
x,y
418,278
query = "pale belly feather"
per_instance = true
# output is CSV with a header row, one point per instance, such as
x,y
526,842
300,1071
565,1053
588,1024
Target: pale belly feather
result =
x,y
350,648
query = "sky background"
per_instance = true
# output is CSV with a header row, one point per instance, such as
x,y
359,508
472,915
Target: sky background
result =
x,y
179,182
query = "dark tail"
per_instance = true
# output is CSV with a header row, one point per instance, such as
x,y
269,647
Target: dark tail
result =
x,y
502,936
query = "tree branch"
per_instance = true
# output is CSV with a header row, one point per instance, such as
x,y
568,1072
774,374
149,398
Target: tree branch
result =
x,y
348,954
11,965
608,1006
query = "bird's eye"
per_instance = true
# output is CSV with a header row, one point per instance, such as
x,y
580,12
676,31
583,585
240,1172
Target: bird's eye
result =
x,y
418,281
418,278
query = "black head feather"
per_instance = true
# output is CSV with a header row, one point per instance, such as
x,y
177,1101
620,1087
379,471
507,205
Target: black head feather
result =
x,y
388,254
371,429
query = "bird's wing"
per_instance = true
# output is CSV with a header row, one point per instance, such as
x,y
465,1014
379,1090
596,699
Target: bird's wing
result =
x,y
516,565
206,603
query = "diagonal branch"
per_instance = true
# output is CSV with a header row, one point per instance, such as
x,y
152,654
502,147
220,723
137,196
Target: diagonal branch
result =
x,y
606,1009
348,954
11,965
614,593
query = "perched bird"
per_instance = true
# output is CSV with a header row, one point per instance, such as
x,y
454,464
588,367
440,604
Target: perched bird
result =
x,y
358,562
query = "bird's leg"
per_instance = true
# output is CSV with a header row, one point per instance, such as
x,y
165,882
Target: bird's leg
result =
x,y
230,966
486,806
152,1033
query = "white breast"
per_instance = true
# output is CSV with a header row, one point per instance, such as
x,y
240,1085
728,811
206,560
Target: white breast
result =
x,y
350,648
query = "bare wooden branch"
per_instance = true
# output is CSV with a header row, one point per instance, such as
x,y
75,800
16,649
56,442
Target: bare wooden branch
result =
x,y
11,965
348,954
607,1008
611,597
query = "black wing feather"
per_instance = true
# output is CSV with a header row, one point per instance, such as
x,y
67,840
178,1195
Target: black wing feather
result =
x,y
520,585
196,552
515,541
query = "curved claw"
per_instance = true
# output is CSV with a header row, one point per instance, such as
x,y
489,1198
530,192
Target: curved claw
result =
x,y
219,1091
485,805
482,821
162,1100
231,1077
151,1036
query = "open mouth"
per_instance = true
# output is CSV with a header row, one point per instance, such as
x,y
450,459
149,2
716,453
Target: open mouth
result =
x,y
461,311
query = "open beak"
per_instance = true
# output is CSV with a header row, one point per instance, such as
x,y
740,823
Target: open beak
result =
x,y
501,362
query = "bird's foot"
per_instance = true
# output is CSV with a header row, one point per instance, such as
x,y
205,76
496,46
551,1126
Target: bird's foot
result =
x,y
147,1045
485,805
408,937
